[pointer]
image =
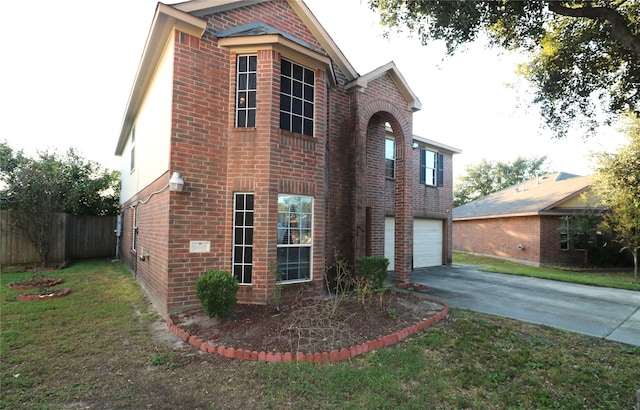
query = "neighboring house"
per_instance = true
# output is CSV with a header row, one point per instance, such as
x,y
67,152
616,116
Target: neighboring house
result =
x,y
251,144
528,222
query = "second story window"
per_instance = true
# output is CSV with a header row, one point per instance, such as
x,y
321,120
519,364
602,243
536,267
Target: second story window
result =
x,y
132,165
296,98
431,168
390,158
246,82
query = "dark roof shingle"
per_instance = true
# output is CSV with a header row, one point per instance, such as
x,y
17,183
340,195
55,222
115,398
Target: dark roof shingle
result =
x,y
530,197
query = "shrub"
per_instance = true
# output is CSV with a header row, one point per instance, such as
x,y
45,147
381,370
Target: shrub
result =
x,y
374,270
217,291
371,280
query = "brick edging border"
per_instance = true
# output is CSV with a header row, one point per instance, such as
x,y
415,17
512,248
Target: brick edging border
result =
x,y
25,297
323,357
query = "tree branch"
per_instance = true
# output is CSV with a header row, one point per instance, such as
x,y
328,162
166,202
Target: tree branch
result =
x,y
620,28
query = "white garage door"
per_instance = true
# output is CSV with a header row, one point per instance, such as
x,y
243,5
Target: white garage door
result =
x,y
427,242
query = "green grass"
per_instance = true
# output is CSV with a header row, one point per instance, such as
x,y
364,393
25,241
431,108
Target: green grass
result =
x,y
94,348
37,338
470,360
611,279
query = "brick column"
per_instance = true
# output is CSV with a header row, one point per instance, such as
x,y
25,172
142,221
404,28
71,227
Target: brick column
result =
x,y
404,216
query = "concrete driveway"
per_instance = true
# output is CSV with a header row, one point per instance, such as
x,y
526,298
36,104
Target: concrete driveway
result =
x,y
605,313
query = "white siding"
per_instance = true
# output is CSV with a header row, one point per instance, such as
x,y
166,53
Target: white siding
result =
x,y
152,131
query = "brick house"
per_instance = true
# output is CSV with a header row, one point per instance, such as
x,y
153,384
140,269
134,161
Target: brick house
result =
x,y
250,144
528,223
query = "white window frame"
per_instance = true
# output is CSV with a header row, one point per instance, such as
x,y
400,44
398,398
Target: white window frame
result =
x,y
431,172
132,150
390,158
134,231
294,235
431,168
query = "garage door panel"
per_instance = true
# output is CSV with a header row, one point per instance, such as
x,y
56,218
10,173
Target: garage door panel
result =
x,y
427,243
389,240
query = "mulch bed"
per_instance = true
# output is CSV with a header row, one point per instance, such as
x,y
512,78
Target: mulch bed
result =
x,y
310,325
35,283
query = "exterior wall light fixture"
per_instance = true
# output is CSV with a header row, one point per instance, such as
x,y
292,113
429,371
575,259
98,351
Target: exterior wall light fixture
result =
x,y
176,183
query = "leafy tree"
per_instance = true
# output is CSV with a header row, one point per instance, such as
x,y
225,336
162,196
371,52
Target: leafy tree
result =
x,y
584,229
37,189
487,177
617,183
583,55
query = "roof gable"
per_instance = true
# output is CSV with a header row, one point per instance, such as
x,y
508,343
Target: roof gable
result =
x,y
204,7
392,70
165,20
532,197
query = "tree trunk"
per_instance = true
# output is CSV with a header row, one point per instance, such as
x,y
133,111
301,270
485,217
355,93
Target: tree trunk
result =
x,y
635,264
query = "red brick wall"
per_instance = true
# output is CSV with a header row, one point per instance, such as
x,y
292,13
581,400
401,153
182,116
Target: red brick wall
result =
x,y
217,160
550,252
341,167
435,202
380,103
501,237
151,205
511,238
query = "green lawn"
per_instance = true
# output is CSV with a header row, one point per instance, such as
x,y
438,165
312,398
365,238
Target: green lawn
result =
x,y
611,279
95,349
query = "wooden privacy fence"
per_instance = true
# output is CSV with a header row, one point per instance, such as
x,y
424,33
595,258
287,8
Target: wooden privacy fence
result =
x,y
74,237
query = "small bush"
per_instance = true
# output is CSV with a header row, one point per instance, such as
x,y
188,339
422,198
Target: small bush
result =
x,y
371,281
217,291
374,270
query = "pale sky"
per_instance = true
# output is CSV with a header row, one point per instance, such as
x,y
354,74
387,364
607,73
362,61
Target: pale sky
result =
x,y
68,67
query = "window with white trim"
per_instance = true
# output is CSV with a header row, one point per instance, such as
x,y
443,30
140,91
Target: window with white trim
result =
x,y
132,151
246,89
431,168
389,158
295,229
243,212
134,231
296,98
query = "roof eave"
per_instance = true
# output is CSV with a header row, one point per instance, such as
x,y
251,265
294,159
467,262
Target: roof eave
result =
x,y
201,8
440,146
165,20
205,7
512,215
307,16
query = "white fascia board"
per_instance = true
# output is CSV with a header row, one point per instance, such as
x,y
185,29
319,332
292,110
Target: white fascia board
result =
x,y
437,145
203,7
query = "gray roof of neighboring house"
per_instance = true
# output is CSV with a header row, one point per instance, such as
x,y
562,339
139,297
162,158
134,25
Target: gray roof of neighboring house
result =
x,y
531,197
